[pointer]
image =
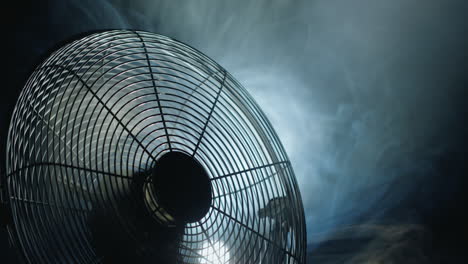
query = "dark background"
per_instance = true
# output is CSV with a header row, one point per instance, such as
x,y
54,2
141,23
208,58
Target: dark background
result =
x,y
368,97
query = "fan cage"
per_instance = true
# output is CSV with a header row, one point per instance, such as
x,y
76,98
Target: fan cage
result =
x,y
96,115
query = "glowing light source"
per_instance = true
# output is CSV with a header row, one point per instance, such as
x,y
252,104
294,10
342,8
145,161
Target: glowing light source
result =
x,y
215,253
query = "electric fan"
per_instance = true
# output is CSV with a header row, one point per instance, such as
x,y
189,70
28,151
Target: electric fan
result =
x,y
131,147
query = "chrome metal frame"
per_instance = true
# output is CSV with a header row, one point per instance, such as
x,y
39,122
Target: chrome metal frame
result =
x,y
103,109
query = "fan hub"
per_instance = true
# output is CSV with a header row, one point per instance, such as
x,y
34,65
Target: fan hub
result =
x,y
182,187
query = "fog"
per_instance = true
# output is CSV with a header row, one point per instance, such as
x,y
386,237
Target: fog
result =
x,y
364,94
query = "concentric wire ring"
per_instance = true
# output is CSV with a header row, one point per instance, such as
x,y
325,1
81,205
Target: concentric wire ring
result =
x,y
94,118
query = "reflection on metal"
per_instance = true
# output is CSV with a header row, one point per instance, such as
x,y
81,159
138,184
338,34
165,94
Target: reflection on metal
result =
x,y
91,124
151,201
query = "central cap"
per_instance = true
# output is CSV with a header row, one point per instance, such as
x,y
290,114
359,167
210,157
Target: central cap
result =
x,y
182,187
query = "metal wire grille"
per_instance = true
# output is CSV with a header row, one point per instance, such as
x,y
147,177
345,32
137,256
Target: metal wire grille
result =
x,y
94,118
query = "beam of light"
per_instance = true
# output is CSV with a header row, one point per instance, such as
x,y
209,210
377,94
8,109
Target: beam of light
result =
x,y
215,253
